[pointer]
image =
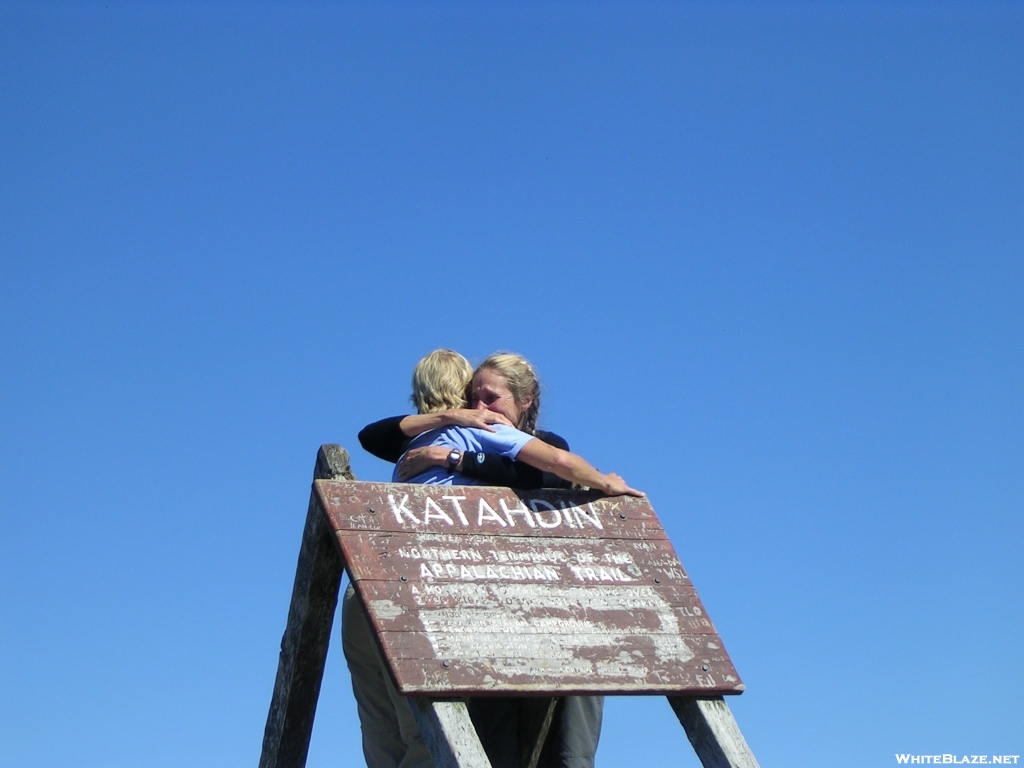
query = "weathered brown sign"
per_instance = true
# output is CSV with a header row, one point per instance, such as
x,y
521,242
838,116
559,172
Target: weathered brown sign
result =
x,y
474,589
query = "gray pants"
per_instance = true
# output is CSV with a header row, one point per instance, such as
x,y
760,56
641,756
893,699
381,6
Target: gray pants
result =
x,y
392,740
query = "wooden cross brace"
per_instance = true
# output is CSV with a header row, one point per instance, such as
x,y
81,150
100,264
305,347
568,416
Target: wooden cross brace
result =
x,y
442,714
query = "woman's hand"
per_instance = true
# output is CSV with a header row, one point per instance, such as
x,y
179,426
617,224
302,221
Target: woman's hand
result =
x,y
469,417
419,460
616,486
573,468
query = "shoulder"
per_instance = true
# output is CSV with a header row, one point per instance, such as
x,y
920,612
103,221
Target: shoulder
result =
x,y
504,440
552,439
505,433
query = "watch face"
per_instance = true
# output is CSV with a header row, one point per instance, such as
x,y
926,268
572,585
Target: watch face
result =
x,y
480,458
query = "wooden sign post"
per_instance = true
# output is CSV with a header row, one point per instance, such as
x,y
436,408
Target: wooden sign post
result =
x,y
491,591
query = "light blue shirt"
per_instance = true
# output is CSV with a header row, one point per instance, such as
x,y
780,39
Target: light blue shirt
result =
x,y
504,441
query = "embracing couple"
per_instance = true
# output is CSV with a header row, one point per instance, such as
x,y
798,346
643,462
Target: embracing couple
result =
x,y
471,428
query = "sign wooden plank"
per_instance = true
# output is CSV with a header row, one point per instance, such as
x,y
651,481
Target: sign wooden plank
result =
x,y
446,557
475,590
484,510
502,677
535,609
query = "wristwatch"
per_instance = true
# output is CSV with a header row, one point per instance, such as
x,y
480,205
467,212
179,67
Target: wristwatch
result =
x,y
454,457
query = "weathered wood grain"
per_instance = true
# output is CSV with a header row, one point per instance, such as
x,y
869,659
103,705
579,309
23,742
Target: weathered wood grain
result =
x,y
497,593
485,510
546,592
472,557
307,634
537,677
713,732
554,652
534,732
449,734
535,609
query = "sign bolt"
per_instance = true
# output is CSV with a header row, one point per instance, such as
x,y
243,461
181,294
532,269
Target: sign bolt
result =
x,y
446,664
657,580
404,578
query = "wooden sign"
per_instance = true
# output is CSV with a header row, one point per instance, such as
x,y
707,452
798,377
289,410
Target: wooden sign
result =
x,y
476,590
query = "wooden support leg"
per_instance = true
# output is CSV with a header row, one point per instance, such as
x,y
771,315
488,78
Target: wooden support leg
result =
x,y
449,734
537,732
300,667
713,732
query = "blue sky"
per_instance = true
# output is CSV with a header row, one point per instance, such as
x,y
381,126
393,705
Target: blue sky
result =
x,y
766,257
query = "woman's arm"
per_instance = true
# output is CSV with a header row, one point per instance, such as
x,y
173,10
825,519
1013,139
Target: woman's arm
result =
x,y
569,466
419,423
494,469
387,439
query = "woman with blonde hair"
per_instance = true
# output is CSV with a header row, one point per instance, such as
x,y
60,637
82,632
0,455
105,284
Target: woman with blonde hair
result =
x,y
503,384
504,390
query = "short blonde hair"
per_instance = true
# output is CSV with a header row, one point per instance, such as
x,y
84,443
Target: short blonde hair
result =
x,y
522,382
440,381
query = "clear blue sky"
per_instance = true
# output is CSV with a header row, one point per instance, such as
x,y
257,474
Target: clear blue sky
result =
x,y
767,258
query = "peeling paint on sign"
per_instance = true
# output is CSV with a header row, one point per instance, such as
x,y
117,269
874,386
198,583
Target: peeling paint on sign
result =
x,y
477,589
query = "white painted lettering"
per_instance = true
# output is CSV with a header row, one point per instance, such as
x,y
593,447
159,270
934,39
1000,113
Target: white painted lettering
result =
x,y
519,509
400,509
425,572
431,511
567,514
556,515
491,514
617,558
458,507
591,518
